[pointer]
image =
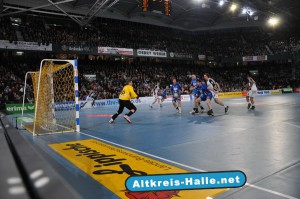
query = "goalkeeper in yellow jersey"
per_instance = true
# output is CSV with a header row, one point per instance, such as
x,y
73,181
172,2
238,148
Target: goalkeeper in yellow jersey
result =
x,y
126,95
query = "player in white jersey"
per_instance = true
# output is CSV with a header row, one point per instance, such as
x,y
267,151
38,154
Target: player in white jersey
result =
x,y
157,98
91,97
214,88
252,90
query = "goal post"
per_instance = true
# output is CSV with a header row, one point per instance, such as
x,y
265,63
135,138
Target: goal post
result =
x,y
56,103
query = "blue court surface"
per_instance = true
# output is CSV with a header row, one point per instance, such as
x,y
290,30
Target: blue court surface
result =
x,y
264,144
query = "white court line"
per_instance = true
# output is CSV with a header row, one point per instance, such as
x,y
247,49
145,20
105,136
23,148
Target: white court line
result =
x,y
292,124
186,166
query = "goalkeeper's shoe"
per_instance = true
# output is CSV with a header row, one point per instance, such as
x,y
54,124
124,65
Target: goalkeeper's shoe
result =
x,y
253,107
111,121
127,118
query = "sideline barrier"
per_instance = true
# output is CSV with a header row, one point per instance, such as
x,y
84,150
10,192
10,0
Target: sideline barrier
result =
x,y
287,90
17,108
276,92
29,108
297,90
141,100
230,95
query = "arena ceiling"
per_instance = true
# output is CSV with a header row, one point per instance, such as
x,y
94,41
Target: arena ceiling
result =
x,y
186,14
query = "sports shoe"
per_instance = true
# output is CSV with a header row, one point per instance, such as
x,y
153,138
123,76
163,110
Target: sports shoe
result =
x,y
111,121
192,112
253,107
226,109
160,105
202,111
210,112
150,106
127,118
179,111
249,106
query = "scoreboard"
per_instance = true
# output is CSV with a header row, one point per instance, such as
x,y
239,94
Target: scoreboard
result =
x,y
157,6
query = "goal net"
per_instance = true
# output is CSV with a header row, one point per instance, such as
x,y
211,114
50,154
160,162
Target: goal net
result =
x,y
55,88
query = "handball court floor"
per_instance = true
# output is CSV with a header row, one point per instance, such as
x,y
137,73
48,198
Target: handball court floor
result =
x,y
264,144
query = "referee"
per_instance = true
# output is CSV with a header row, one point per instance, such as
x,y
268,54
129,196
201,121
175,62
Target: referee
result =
x,y
124,101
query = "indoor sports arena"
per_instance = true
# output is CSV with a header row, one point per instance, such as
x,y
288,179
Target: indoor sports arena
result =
x,y
149,99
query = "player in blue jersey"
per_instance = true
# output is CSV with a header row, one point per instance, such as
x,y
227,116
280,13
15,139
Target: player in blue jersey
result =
x,y
176,91
204,94
164,95
195,86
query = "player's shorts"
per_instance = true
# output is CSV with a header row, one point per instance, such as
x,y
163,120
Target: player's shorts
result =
x,y
89,99
196,95
156,96
214,95
163,96
205,97
251,93
176,99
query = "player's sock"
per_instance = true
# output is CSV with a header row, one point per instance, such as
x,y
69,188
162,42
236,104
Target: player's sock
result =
x,y
115,116
129,114
196,110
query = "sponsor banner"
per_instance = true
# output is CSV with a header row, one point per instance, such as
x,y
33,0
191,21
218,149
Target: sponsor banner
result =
x,y
90,77
141,100
275,92
255,58
230,94
111,166
297,90
210,58
17,108
181,55
151,53
264,92
115,51
65,48
287,90
25,119
202,57
23,45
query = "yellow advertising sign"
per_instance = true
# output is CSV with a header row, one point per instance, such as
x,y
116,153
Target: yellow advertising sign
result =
x,y
230,94
111,166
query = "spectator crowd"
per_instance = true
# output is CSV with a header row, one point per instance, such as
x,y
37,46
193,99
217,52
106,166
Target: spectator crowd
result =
x,y
116,33
111,76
